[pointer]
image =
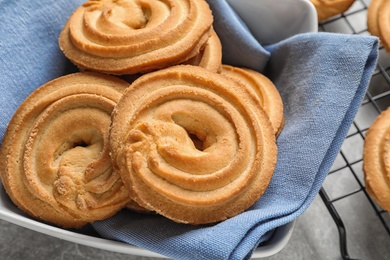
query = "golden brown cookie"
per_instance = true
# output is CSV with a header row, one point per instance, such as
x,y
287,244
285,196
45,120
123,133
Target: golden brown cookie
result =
x,y
263,88
328,8
54,159
132,36
192,145
135,207
378,23
211,55
372,17
376,160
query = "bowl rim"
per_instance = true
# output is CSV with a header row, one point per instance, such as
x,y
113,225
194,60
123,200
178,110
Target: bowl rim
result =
x,y
251,12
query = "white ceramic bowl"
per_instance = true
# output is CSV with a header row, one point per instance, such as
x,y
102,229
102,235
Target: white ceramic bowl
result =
x,y
271,21
10,213
284,18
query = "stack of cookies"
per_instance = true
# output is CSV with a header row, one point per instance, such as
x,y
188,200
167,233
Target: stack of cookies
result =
x,y
190,138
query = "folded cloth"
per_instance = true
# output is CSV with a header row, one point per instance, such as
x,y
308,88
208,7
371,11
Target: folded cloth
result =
x,y
322,78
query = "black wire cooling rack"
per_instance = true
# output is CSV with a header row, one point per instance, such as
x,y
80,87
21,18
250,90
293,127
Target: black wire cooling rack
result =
x,y
347,169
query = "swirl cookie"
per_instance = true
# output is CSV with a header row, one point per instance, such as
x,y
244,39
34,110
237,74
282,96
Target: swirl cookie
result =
x,y
328,8
211,55
192,145
263,88
378,24
372,17
376,160
133,36
55,162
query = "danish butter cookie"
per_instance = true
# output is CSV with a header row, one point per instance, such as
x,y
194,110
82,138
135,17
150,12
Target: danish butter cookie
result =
x,y
376,160
133,36
328,8
263,88
378,21
372,17
211,55
192,145
54,159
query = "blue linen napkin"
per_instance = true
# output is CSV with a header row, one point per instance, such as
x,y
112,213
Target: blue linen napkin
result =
x,y
322,78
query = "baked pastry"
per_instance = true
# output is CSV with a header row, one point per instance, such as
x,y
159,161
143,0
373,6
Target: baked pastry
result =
x,y
372,17
130,36
192,145
54,159
378,24
210,56
266,92
328,8
376,160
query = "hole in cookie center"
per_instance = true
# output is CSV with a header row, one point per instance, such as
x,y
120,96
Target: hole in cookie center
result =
x,y
198,143
196,131
80,143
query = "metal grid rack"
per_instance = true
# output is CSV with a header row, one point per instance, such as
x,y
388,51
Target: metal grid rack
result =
x,y
345,179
